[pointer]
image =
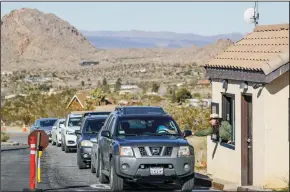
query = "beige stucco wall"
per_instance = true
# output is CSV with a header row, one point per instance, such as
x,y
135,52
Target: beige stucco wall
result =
x,y
226,163
276,125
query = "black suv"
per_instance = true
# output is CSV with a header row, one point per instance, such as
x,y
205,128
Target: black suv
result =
x,y
143,144
90,127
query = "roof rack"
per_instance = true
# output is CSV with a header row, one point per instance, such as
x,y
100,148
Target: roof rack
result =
x,y
140,110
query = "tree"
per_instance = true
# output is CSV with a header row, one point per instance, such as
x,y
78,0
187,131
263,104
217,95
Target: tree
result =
x,y
183,94
155,87
98,95
118,84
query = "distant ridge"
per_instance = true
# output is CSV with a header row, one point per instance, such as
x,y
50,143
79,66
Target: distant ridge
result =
x,y
145,39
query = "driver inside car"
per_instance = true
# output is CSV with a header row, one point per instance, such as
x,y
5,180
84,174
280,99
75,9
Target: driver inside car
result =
x,y
164,129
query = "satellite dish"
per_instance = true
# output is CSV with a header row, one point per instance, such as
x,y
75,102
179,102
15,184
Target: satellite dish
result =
x,y
250,15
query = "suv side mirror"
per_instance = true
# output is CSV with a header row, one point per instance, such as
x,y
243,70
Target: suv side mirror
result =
x,y
78,132
61,125
105,134
187,133
93,140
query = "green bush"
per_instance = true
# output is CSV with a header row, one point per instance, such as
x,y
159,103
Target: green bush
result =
x,y
4,137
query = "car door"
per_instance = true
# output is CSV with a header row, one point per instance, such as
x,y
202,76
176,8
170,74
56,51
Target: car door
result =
x,y
79,136
101,140
107,144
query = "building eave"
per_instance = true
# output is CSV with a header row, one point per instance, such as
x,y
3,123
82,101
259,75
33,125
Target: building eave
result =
x,y
245,75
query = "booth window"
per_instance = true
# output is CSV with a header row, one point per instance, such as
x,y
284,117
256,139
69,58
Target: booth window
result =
x,y
228,113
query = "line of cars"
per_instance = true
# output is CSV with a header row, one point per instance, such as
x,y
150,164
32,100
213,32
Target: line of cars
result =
x,y
129,145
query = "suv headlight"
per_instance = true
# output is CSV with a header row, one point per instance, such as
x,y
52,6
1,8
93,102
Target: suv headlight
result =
x,y
86,143
126,151
183,151
69,133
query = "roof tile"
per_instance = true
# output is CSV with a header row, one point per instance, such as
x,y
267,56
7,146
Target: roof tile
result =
x,y
256,50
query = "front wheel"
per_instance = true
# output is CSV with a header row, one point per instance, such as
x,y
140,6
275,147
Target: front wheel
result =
x,y
80,163
188,186
66,149
93,169
62,146
116,182
102,177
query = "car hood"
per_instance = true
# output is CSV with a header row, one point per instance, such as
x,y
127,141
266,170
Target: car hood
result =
x,y
73,128
89,136
153,141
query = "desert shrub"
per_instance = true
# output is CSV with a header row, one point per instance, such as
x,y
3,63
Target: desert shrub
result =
x,y
4,137
194,118
36,105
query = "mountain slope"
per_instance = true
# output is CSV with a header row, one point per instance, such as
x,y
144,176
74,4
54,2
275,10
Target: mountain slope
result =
x,y
144,39
31,36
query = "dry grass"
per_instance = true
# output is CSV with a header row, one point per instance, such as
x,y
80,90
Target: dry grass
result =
x,y
200,147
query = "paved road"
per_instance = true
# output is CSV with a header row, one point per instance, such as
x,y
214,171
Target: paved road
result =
x,y
59,172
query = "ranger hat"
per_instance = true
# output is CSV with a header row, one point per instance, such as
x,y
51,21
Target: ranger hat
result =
x,y
214,116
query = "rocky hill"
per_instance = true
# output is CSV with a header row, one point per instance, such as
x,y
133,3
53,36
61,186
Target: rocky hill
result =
x,y
42,44
30,37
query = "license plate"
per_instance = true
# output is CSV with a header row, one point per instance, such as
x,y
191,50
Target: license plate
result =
x,y
156,171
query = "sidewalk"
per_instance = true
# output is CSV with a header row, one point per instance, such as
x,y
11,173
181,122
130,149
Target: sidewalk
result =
x,y
219,184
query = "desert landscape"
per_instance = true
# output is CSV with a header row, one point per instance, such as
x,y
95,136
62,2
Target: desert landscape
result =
x,y
37,44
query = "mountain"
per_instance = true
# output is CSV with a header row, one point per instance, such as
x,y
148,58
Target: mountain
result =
x,y
34,43
29,36
145,39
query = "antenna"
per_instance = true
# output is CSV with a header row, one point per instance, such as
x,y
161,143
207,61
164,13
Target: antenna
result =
x,y
251,15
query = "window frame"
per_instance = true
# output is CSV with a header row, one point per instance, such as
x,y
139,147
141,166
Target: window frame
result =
x,y
232,120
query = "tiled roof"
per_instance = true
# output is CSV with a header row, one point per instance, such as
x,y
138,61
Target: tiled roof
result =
x,y
265,49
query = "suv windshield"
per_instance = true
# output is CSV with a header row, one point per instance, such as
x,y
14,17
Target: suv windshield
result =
x,y
74,121
47,123
152,125
93,125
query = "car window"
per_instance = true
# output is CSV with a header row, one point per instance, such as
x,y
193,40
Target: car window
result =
x,y
47,123
111,125
107,122
74,121
93,125
61,122
147,125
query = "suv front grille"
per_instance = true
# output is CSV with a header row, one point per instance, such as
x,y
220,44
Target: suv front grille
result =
x,y
142,151
155,151
168,151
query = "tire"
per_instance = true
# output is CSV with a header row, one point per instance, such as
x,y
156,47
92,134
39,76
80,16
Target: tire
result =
x,y
188,186
97,165
62,146
66,149
57,144
102,177
93,169
80,163
53,143
116,182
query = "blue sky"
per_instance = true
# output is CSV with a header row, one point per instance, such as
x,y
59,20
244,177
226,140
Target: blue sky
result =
x,y
204,18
